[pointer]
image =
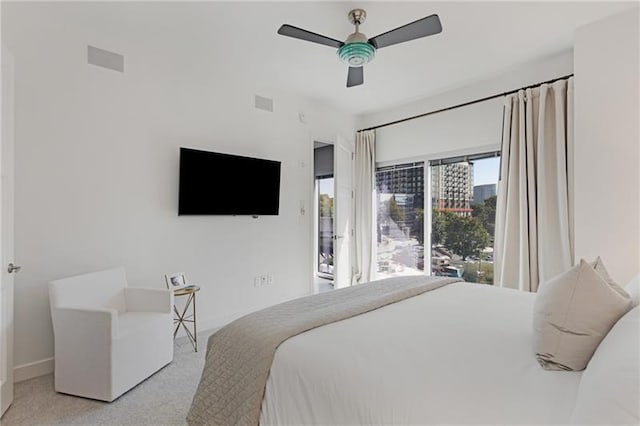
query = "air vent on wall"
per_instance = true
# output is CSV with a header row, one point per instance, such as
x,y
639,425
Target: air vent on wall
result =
x,y
264,103
105,59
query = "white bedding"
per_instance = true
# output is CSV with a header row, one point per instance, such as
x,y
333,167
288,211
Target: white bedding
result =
x,y
459,354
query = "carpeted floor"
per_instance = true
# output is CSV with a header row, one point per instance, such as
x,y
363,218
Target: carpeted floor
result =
x,y
162,399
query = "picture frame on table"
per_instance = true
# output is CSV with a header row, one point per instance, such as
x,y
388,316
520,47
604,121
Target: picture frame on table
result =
x,y
176,280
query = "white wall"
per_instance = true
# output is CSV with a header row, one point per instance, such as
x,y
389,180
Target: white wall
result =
x,y
607,138
97,166
460,130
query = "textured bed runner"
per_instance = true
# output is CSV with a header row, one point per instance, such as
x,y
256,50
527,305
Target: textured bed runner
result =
x,y
239,356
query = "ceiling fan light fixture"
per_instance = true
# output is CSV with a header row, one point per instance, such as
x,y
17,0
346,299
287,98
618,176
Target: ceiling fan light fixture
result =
x,y
356,54
358,50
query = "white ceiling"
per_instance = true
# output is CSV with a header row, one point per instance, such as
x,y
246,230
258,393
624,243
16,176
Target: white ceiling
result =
x,y
479,40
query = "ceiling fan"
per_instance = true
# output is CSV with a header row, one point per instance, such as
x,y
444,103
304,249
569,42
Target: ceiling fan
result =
x,y
357,50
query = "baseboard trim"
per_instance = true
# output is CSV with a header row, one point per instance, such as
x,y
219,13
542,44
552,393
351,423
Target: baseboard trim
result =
x,y
32,369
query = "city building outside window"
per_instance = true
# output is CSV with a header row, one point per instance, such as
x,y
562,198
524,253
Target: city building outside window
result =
x,y
463,202
400,220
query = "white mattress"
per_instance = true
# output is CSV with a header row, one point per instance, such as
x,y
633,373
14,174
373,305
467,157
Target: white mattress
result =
x,y
459,354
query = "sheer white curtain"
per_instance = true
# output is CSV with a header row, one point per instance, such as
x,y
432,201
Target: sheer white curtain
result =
x,y
534,216
364,207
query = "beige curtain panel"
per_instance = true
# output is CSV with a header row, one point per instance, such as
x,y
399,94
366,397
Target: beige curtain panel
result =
x,y
533,238
364,207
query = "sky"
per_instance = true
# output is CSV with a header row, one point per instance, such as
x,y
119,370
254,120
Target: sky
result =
x,y
486,171
325,186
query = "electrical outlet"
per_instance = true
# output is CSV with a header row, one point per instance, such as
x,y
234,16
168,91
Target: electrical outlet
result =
x,y
263,280
269,279
256,281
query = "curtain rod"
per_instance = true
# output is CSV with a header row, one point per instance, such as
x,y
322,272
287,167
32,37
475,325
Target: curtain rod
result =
x,y
488,98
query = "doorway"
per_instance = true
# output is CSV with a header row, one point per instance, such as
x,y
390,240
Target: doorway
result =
x,y
324,183
324,202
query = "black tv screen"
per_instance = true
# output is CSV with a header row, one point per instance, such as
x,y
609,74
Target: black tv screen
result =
x,y
221,184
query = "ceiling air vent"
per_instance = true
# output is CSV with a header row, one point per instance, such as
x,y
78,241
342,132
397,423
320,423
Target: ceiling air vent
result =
x,y
105,59
264,103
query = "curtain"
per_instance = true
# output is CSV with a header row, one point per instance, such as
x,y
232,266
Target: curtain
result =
x,y
533,215
364,207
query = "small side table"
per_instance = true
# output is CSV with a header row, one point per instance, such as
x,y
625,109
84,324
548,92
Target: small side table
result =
x,y
182,319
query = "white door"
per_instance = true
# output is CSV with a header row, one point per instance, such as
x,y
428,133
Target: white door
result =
x,y
6,234
343,211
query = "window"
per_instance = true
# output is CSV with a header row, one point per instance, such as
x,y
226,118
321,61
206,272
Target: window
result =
x,y
463,201
463,212
400,214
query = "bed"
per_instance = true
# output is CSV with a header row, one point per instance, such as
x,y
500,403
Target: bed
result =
x,y
456,353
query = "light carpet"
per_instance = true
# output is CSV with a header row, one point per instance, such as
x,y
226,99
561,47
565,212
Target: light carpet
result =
x,y
162,399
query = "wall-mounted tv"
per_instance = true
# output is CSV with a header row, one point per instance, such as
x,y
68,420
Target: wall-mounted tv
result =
x,y
212,183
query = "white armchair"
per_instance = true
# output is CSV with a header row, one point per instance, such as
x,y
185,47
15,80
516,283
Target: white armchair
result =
x,y
108,337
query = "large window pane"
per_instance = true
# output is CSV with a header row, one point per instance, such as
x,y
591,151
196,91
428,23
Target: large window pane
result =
x,y
400,214
463,199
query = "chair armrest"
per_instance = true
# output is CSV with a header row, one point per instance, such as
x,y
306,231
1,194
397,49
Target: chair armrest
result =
x,y
85,321
148,300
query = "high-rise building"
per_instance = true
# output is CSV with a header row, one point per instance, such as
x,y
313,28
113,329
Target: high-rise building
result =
x,y
405,186
482,192
452,187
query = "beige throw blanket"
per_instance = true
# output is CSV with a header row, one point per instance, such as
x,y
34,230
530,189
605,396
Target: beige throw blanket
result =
x,y
239,356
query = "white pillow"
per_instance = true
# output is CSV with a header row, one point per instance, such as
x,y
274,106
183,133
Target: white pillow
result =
x,y
573,312
633,288
609,391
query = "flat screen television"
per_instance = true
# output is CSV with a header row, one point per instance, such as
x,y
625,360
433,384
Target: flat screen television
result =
x,y
212,183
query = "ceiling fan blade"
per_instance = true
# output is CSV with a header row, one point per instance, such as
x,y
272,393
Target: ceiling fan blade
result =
x,y
295,32
355,76
417,29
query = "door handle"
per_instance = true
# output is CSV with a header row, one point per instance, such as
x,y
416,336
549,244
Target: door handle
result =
x,y
13,268
338,237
